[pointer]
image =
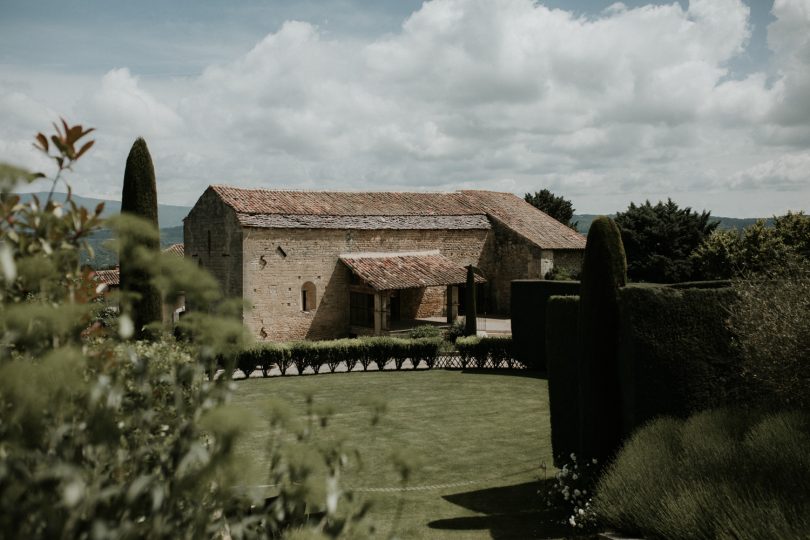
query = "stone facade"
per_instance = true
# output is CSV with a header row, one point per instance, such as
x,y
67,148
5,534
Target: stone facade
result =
x,y
213,239
287,266
278,262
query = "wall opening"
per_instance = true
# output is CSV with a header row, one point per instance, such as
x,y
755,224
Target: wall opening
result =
x,y
308,298
281,252
361,309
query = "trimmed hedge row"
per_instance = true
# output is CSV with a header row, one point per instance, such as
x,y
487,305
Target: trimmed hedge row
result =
x,y
528,311
317,355
562,314
481,352
676,355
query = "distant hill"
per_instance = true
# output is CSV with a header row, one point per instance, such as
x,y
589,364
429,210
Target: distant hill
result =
x,y
106,258
584,222
168,215
170,219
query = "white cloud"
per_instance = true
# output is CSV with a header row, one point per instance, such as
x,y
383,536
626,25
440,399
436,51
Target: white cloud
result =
x,y
630,102
787,172
123,107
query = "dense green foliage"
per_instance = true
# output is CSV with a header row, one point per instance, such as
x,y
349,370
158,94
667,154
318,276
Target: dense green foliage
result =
x,y
562,313
756,249
676,356
425,330
770,321
603,273
482,352
528,314
139,298
659,239
312,356
555,206
719,474
103,437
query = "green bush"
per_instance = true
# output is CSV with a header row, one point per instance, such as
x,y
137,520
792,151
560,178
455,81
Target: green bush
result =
x,y
481,352
425,331
468,350
331,353
720,474
770,320
528,312
604,271
563,383
105,437
676,355
264,356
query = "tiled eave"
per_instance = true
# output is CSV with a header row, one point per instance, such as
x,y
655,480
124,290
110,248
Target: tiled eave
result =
x,y
395,271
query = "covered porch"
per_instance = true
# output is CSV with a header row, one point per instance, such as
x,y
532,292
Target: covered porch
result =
x,y
390,293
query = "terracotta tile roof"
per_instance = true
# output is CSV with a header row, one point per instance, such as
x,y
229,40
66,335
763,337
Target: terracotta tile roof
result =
x,y
393,271
298,209
364,222
175,249
343,203
107,277
526,220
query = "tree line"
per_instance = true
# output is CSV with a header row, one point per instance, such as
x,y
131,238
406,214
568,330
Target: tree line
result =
x,y
665,243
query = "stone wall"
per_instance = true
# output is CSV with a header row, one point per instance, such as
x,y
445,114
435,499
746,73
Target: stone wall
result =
x,y
278,262
509,256
569,260
212,238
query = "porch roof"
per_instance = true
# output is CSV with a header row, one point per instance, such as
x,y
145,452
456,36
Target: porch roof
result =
x,y
406,270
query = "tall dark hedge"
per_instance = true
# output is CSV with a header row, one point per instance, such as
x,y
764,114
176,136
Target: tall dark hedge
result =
x,y
470,307
139,198
677,356
561,335
528,314
604,271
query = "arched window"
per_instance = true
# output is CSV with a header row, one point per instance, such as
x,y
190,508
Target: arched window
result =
x,y
308,296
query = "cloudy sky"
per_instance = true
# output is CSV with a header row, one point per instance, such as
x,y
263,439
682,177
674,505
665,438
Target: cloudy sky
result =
x,y
704,101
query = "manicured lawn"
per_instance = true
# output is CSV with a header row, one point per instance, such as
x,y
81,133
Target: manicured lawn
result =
x,y
487,433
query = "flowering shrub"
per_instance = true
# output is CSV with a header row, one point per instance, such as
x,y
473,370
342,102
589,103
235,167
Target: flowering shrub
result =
x,y
573,489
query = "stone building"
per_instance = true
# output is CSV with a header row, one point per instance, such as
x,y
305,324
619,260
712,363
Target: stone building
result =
x,y
317,265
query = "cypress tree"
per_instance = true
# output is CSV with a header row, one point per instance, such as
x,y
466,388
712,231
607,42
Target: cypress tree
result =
x,y
604,270
139,198
470,309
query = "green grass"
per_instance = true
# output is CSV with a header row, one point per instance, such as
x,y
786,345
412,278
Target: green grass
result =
x,y
488,428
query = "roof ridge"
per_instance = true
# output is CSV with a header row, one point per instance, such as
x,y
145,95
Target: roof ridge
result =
x,y
290,190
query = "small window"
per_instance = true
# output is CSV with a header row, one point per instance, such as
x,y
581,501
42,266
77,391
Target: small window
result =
x,y
308,299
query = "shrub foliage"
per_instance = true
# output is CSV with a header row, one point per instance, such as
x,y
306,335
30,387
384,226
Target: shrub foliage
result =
x,y
660,238
528,311
482,352
104,437
676,355
770,321
603,273
719,474
562,313
139,298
